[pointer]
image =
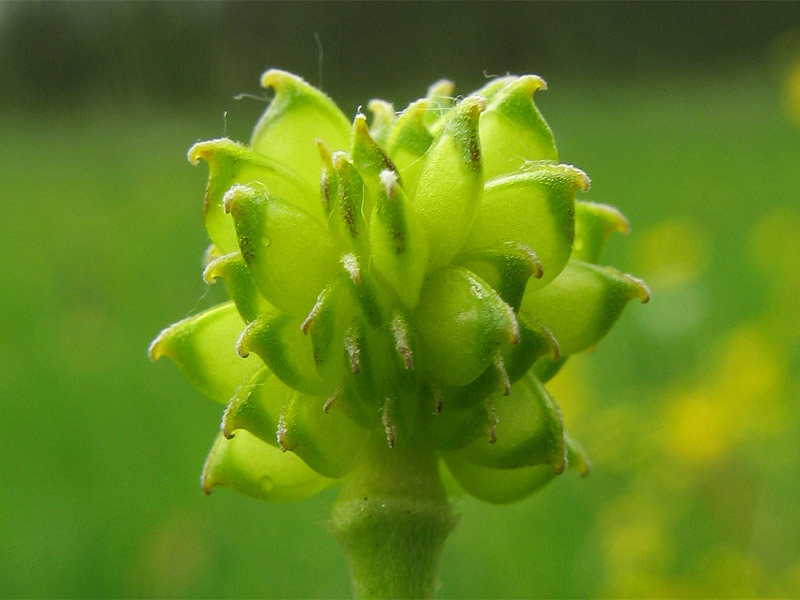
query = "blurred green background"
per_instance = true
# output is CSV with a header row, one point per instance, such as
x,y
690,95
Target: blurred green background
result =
x,y
687,118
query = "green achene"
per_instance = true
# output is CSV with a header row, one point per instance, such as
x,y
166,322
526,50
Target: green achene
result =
x,y
401,290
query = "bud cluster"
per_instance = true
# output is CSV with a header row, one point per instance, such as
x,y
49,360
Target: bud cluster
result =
x,y
419,278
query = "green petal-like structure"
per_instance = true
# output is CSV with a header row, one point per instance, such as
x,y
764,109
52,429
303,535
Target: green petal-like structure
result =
x,y
415,279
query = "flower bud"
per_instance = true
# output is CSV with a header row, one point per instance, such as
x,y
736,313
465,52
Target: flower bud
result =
x,y
410,282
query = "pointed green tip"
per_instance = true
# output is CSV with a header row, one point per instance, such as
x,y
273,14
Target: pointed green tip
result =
x,y
279,79
237,195
156,348
209,150
641,289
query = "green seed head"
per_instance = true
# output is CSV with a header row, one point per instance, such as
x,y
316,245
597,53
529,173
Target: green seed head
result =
x,y
417,278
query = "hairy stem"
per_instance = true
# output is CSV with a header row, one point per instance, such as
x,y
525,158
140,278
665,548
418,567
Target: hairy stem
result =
x,y
392,518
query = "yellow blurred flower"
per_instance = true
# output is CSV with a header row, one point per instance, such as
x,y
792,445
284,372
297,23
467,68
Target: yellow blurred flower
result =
x,y
738,398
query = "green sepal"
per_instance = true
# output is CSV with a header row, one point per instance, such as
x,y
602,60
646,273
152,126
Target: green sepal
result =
x,y
576,456
346,221
204,348
369,297
329,180
594,223
326,324
256,407
462,324
510,365
383,119
501,486
512,129
440,97
233,271
289,254
367,154
408,142
403,341
450,182
360,392
534,208
582,303
298,115
529,431
399,412
506,268
249,466
498,486
280,342
328,442
397,241
231,163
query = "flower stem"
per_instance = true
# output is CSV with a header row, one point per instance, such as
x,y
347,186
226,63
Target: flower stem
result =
x,y
392,518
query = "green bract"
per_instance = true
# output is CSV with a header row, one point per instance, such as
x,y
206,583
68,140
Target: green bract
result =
x,y
416,279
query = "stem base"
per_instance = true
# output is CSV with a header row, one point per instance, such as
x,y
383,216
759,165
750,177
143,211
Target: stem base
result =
x,y
393,545
392,518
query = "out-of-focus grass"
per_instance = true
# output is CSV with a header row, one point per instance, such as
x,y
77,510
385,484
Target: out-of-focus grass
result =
x,y
689,409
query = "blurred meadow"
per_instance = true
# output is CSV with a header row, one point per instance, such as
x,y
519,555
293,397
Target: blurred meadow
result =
x,y
686,117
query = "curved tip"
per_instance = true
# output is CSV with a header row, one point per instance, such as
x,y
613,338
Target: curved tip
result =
x,y
324,151
235,195
225,426
155,349
531,83
582,180
552,342
532,261
207,149
474,105
560,466
585,180
613,220
200,150
643,291
277,78
211,272
243,343
160,346
441,88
